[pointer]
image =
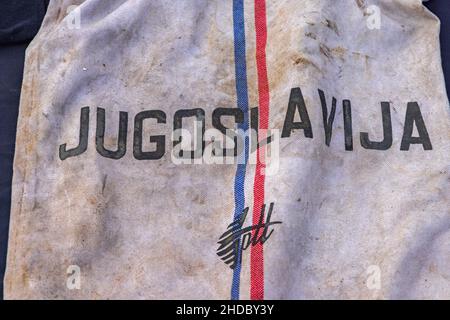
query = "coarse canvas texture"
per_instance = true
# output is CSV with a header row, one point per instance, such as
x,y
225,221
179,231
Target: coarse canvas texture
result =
x,y
355,207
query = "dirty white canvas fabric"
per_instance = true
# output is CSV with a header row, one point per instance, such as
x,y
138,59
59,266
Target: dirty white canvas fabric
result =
x,y
357,199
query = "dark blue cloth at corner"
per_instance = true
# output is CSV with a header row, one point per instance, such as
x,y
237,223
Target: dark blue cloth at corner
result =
x,y
442,9
20,20
11,68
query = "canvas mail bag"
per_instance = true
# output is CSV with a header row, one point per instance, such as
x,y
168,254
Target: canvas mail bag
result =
x,y
246,149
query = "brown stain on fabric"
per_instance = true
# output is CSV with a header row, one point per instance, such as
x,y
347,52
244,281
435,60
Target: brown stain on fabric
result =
x,y
339,52
24,158
361,4
332,53
311,35
303,62
223,58
325,51
331,25
366,58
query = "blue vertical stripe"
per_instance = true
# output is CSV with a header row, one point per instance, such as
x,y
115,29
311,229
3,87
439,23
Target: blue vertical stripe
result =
x,y
242,103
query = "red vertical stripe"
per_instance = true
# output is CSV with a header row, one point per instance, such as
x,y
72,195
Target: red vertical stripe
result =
x,y
257,252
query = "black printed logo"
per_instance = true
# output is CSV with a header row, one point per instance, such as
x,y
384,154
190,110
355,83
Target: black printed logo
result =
x,y
237,239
